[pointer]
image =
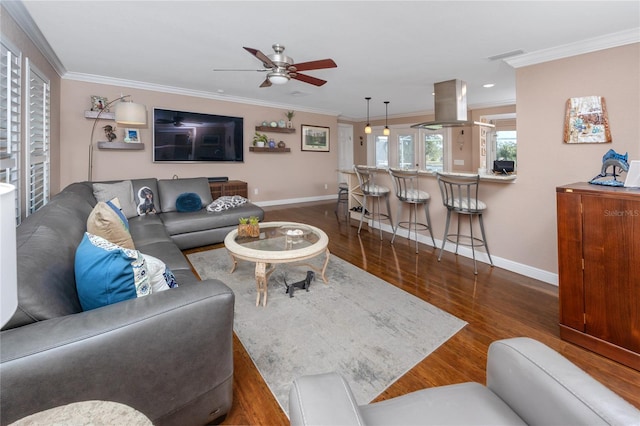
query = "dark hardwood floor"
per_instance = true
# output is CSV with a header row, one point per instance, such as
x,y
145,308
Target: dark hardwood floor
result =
x,y
496,304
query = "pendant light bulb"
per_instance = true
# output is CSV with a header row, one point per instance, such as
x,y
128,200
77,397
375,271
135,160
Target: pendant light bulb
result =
x,y
386,130
367,128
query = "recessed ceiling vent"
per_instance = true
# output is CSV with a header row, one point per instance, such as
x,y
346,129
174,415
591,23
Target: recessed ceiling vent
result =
x,y
450,107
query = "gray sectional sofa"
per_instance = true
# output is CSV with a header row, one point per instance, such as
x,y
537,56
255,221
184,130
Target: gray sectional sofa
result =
x,y
168,355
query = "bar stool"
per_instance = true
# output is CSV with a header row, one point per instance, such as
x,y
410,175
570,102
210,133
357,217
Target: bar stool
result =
x,y
460,195
343,200
405,183
366,179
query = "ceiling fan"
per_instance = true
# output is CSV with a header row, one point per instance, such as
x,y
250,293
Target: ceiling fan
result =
x,y
280,68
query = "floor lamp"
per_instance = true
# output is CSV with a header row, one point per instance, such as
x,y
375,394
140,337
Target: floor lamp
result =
x,y
126,113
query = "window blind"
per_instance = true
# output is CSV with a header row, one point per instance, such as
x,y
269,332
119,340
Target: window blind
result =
x,y
38,134
10,107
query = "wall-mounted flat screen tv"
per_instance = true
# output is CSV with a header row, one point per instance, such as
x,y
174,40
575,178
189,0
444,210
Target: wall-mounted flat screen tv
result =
x,y
180,136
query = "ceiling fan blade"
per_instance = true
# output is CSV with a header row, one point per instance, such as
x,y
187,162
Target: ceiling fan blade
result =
x,y
266,83
233,69
261,56
315,65
308,79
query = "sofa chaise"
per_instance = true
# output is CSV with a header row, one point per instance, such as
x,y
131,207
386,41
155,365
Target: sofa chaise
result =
x,y
527,383
168,355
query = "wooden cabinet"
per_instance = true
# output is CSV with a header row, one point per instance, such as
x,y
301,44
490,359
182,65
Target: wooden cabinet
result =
x,y
599,269
230,187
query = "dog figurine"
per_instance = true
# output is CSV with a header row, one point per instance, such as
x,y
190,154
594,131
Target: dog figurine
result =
x,y
304,284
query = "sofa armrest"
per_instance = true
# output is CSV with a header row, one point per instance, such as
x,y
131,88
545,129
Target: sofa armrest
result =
x,y
322,399
543,387
157,354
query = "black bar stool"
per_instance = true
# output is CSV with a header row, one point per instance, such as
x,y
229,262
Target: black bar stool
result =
x,y
406,185
343,200
460,196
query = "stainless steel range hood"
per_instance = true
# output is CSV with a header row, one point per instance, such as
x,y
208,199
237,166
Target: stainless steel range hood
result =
x,y
450,107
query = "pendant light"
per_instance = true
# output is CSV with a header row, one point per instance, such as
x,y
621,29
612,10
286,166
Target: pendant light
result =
x,y
367,128
386,130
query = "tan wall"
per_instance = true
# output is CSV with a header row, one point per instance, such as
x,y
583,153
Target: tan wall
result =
x,y
18,38
544,161
286,176
521,217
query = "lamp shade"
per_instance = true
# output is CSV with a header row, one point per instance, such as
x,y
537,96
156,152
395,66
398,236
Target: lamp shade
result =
x,y
131,114
9,278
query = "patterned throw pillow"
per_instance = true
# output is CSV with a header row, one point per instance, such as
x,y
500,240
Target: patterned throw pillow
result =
x,y
226,202
107,273
160,276
146,201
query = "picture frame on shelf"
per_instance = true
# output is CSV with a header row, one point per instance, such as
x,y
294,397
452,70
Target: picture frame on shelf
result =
x,y
99,103
315,138
132,135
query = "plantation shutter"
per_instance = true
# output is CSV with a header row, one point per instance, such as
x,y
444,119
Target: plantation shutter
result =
x,y
37,159
10,104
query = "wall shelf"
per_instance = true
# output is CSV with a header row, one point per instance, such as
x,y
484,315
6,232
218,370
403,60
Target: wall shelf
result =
x,y
103,116
274,129
267,149
120,145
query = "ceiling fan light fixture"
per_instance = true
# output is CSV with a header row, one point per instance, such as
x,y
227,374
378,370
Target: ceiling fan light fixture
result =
x,y
278,78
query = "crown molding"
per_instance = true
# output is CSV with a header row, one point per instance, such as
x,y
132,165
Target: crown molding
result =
x,y
608,41
22,17
99,79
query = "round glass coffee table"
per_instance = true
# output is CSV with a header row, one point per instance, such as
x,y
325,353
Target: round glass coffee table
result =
x,y
279,242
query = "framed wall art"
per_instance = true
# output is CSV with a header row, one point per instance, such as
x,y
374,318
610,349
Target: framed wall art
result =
x,y
99,103
586,120
132,135
315,138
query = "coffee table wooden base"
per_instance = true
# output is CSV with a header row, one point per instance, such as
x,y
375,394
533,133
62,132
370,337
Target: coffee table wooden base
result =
x,y
264,270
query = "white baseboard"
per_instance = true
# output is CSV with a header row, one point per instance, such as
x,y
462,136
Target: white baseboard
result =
x,y
481,256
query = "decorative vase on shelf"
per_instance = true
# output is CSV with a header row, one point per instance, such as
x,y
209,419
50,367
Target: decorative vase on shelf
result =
x,y
272,143
289,125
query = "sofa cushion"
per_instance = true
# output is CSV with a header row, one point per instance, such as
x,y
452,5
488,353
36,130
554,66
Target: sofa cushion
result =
x,y
107,221
188,202
123,191
107,273
171,189
226,202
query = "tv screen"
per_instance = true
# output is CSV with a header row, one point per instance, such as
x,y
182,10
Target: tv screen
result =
x,y
180,136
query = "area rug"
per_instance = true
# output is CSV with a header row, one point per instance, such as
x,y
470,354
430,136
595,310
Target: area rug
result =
x,y
366,329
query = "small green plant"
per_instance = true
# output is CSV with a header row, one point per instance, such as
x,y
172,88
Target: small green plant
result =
x,y
289,115
259,137
253,220
243,220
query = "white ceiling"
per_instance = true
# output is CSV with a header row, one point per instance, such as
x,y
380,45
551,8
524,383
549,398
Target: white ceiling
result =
x,y
389,50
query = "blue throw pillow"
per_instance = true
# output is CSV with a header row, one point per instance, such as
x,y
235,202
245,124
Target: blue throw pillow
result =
x,y
188,202
107,273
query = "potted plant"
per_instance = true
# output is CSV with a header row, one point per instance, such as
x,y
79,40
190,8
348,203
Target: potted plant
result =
x,y
260,140
249,227
289,115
